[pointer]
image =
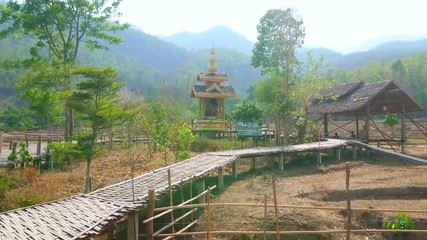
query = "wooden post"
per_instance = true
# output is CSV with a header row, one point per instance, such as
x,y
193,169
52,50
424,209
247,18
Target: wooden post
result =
x,y
10,144
253,164
234,169
339,154
367,124
132,229
14,146
357,126
39,145
221,179
208,209
110,232
319,158
325,125
347,193
26,141
281,160
150,213
402,130
171,197
354,152
200,185
265,217
276,211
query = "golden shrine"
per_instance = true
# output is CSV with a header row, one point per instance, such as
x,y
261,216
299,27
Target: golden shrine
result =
x,y
211,97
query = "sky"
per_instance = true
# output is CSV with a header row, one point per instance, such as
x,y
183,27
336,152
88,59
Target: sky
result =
x,y
334,24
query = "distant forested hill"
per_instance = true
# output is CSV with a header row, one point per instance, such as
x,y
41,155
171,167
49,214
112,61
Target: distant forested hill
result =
x,y
218,37
149,64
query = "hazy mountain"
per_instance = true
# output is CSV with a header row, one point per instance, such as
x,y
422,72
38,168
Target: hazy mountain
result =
x,y
381,40
218,37
384,52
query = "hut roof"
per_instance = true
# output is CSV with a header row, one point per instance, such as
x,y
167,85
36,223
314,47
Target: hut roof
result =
x,y
381,97
217,91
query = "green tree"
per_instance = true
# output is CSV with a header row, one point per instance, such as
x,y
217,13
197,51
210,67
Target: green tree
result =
x,y
280,33
96,100
248,111
59,28
16,118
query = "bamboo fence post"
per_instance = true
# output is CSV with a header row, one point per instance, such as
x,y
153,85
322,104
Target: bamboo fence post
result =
x,y
191,196
221,179
150,213
26,141
208,208
171,197
39,145
347,192
276,211
265,216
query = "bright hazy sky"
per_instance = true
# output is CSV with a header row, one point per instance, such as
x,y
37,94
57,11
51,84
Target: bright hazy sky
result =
x,y
336,24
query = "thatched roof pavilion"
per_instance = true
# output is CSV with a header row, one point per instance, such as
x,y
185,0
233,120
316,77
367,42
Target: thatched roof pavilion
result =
x,y
361,99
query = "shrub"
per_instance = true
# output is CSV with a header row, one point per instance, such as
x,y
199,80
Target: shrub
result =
x,y
401,222
23,202
61,153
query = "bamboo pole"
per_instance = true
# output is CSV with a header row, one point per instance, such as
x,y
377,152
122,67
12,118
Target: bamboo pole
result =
x,y
209,215
289,207
347,193
150,213
276,211
335,231
171,197
265,217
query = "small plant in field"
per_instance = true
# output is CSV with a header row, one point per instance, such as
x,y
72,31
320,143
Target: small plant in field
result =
x,y
23,202
401,222
13,156
24,153
30,175
61,152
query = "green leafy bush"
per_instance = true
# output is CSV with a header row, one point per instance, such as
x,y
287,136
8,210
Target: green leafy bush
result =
x,y
23,202
61,153
401,222
24,153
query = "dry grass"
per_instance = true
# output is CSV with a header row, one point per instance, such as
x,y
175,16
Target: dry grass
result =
x,y
108,169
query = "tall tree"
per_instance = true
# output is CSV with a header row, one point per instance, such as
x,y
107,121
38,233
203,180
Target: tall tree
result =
x,y
59,28
96,99
280,33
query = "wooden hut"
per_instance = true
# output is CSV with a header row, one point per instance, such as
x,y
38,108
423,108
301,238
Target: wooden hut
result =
x,y
360,101
211,97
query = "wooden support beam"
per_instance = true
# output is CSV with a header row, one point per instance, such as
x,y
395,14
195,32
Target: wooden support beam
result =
x,y
132,229
149,227
234,169
367,117
253,163
357,126
39,145
319,158
221,179
200,186
281,162
338,154
403,130
325,125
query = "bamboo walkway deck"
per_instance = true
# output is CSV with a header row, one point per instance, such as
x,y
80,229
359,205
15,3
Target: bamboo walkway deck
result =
x,y
85,215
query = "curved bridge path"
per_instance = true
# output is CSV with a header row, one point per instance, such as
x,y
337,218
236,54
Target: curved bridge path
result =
x,y
84,215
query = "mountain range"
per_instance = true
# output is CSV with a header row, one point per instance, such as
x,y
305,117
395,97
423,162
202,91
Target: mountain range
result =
x,y
150,64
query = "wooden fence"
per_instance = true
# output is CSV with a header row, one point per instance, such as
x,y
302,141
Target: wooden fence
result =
x,y
204,199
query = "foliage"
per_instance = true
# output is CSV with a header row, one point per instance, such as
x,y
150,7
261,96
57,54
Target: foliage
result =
x,y
185,138
59,28
96,97
280,33
248,111
61,153
15,118
401,222
13,156
23,202
203,144
24,153
390,120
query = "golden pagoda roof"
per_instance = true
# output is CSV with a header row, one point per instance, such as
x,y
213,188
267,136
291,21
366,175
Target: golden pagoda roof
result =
x,y
214,91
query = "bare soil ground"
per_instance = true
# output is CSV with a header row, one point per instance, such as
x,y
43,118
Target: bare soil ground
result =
x,y
375,183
